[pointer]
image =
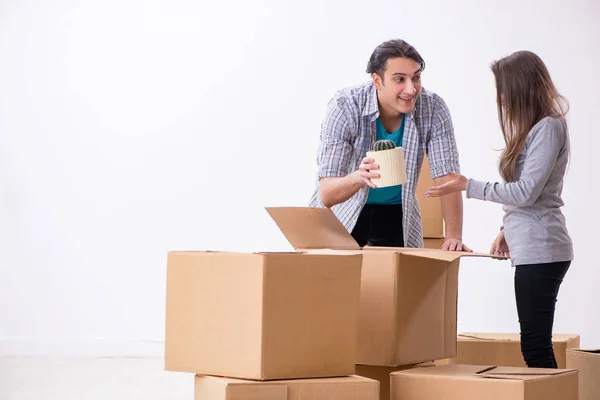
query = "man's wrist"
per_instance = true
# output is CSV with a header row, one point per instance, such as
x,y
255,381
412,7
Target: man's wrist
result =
x,y
455,237
357,180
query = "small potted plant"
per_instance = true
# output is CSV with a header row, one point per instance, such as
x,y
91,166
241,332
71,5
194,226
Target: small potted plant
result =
x,y
390,159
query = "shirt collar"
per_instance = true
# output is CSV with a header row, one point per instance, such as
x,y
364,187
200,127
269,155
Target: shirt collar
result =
x,y
372,109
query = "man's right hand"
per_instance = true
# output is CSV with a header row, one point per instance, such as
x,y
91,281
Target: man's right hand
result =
x,y
336,190
364,170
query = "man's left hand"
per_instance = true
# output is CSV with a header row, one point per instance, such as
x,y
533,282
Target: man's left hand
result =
x,y
455,245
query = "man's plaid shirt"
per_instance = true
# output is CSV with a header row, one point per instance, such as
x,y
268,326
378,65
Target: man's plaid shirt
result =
x,y
348,132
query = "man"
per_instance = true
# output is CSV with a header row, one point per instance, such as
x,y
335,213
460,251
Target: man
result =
x,y
392,106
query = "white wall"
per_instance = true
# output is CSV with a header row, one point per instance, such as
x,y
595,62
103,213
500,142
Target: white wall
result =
x,y
130,128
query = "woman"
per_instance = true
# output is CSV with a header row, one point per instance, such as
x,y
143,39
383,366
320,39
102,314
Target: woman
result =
x,y
532,165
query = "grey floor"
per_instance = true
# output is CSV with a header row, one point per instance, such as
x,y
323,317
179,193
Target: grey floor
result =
x,y
30,378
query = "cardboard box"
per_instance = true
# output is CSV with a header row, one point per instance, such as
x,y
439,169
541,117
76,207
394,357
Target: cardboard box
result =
x,y
408,297
588,364
432,218
262,316
343,388
504,349
382,374
434,243
473,382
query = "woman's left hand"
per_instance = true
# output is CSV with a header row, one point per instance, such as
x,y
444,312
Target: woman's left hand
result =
x,y
456,184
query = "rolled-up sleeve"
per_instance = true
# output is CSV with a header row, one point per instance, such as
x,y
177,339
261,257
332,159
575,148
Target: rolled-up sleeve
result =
x,y
335,147
442,152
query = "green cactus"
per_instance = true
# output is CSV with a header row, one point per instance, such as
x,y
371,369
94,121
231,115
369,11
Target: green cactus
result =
x,y
384,145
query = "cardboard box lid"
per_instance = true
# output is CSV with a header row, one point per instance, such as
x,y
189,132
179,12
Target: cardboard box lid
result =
x,y
594,352
470,372
508,337
312,228
228,381
319,228
520,373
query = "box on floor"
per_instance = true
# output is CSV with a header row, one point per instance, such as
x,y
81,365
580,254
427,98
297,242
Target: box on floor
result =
x,y
343,388
504,349
588,364
477,382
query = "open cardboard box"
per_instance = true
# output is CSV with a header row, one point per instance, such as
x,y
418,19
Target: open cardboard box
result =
x,y
475,382
408,297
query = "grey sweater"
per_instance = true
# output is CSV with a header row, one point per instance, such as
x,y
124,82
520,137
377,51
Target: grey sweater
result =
x,y
534,226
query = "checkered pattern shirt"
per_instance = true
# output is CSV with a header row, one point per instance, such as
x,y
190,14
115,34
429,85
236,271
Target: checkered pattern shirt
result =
x,y
348,132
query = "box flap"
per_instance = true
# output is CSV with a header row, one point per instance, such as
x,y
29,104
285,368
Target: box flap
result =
x,y
510,337
312,228
505,337
521,373
442,255
588,351
433,254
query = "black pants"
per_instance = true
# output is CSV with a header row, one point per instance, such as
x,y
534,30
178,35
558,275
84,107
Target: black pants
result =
x,y
379,225
536,292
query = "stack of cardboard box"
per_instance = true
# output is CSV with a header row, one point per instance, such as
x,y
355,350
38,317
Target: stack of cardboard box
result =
x,y
331,320
256,326
244,321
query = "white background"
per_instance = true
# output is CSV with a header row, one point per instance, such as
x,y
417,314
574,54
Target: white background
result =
x,y
130,128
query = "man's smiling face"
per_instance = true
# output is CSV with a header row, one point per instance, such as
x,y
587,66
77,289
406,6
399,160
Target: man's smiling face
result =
x,y
399,87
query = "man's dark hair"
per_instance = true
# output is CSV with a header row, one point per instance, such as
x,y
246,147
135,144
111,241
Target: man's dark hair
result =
x,y
392,49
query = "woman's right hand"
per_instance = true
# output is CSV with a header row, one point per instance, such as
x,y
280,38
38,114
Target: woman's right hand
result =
x,y
499,246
